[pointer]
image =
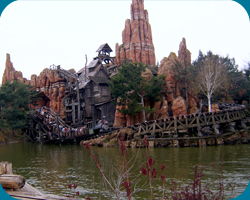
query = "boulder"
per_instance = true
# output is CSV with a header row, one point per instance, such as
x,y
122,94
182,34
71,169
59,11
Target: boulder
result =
x,y
215,108
161,109
179,106
202,142
193,103
219,141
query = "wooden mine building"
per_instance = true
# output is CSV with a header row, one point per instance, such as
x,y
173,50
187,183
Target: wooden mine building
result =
x,y
88,97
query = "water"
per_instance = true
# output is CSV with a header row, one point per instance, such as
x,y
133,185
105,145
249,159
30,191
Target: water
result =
x,y
51,168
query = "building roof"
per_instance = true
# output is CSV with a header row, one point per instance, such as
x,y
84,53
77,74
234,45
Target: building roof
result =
x,y
93,63
83,84
105,48
94,71
92,76
81,71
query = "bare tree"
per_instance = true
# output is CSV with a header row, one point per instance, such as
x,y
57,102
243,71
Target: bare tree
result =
x,y
211,76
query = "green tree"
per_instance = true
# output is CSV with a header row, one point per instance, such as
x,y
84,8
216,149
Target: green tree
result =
x,y
15,98
242,91
247,71
131,88
236,81
154,88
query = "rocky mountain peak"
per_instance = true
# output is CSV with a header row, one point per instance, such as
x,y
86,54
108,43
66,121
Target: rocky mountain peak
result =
x,y
136,37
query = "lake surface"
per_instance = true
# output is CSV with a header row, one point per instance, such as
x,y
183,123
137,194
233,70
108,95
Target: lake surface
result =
x,y
51,168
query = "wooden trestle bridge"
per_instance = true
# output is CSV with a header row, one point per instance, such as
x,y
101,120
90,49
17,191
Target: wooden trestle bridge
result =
x,y
230,118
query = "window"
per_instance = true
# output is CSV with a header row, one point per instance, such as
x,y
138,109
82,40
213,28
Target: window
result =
x,y
96,88
105,91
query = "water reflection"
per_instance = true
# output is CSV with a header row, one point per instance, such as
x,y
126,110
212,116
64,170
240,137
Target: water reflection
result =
x,y
50,168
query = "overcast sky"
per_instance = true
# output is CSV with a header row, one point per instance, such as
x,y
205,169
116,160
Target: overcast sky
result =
x,y
38,34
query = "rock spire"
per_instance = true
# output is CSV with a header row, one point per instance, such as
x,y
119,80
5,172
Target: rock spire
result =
x,y
10,73
136,37
183,53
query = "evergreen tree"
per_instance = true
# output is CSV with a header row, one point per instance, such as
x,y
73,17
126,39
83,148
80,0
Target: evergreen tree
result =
x,y
131,89
244,85
15,98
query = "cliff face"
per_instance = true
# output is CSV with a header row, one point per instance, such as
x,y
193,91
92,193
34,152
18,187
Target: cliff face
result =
x,y
136,37
48,83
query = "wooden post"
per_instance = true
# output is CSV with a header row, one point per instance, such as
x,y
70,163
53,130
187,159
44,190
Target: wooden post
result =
x,y
154,124
57,124
5,168
73,112
78,102
175,125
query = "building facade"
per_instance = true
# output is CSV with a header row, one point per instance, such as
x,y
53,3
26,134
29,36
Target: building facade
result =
x,y
88,97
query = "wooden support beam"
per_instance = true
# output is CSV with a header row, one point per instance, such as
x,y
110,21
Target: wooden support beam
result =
x,y
213,119
175,125
5,168
153,128
198,122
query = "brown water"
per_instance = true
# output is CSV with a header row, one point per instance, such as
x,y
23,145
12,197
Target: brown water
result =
x,y
51,168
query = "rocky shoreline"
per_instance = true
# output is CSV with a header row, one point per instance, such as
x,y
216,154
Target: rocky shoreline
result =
x,y
7,137
113,140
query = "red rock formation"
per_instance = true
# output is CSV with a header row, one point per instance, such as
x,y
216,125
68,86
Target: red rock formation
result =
x,y
174,97
161,109
10,73
147,74
215,108
120,119
50,85
136,37
174,89
183,53
137,46
165,68
192,103
179,106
